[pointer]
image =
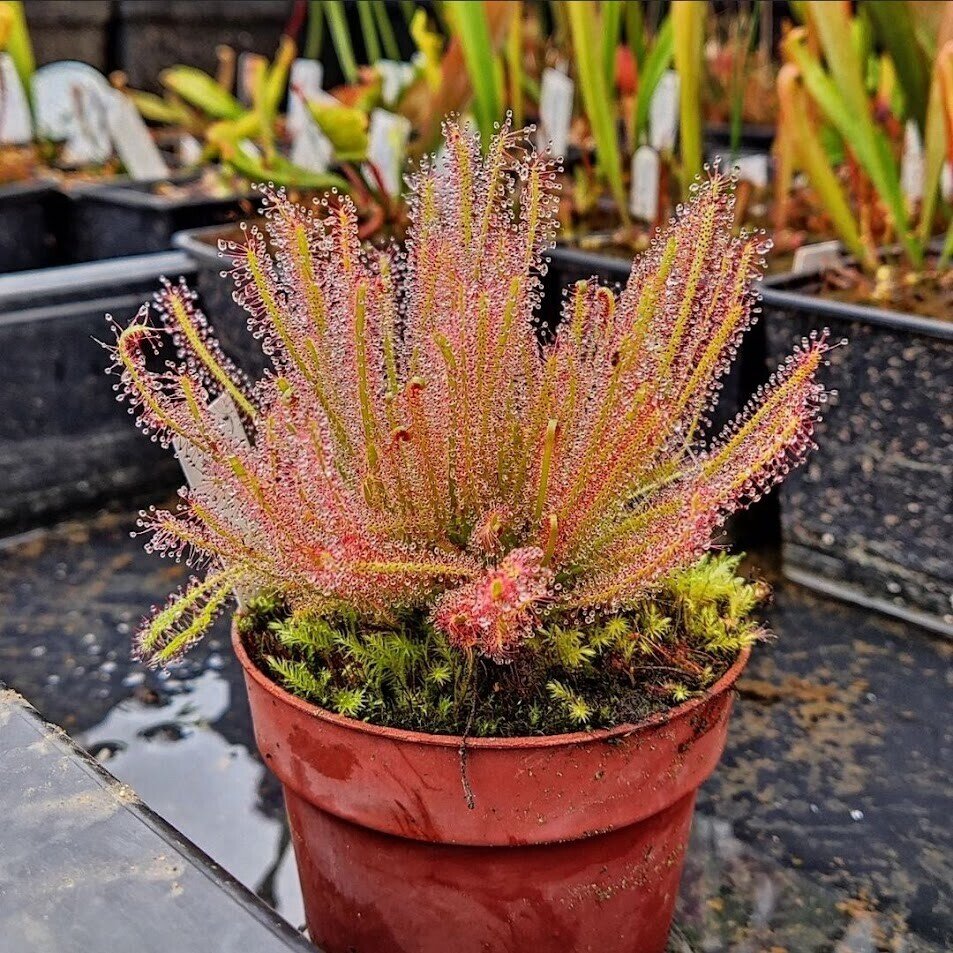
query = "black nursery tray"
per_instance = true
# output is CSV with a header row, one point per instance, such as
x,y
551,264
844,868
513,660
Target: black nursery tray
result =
x,y
132,218
870,517
26,238
65,441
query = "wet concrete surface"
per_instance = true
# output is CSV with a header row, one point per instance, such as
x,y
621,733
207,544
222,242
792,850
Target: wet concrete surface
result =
x,y
826,828
107,873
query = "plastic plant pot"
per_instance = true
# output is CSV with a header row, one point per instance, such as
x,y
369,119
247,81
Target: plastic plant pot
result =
x,y
215,292
753,138
131,218
869,519
150,35
26,241
572,842
67,30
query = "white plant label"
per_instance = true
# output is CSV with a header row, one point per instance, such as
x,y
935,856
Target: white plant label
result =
x,y
555,111
663,112
310,147
754,169
395,78
134,146
304,83
194,465
946,182
911,163
388,135
251,149
71,105
16,126
813,259
190,149
644,190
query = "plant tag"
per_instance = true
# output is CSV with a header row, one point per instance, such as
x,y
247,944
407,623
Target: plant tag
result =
x,y
555,111
71,102
387,143
193,462
190,149
311,149
644,190
395,78
134,146
813,259
194,465
946,182
247,69
16,126
304,83
251,149
663,112
911,163
754,169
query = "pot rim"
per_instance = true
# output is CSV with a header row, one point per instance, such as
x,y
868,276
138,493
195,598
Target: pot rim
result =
x,y
521,742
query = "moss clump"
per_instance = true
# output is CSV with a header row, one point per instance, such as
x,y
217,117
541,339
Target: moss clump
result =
x,y
664,651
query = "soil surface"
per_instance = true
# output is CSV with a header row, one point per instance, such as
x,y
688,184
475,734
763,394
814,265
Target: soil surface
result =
x,y
825,829
894,288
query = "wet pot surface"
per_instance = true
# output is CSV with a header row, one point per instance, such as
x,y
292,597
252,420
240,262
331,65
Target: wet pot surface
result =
x,y
570,842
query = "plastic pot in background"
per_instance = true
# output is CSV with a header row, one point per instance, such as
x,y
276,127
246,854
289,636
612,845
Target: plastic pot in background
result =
x,y
573,842
116,219
70,30
869,518
754,138
154,34
26,237
229,318
65,441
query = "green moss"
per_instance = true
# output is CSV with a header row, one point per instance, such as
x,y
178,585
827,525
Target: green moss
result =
x,y
619,669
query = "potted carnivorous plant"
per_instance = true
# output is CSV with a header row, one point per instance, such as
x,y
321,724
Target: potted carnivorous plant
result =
x,y
488,650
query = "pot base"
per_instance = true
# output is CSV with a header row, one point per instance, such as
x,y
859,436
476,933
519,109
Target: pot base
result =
x,y
368,892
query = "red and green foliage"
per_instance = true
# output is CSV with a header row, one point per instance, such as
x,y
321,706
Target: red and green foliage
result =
x,y
419,453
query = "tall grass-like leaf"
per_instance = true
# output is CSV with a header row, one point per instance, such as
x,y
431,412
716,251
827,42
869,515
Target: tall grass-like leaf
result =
x,y
514,64
469,22
314,36
894,25
611,32
688,22
385,30
651,69
943,94
937,141
599,101
635,31
341,38
18,43
372,47
842,97
800,136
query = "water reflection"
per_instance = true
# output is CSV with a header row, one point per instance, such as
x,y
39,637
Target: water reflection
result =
x,y
167,749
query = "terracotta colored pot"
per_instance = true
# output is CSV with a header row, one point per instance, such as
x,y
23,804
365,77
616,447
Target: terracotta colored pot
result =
x,y
574,843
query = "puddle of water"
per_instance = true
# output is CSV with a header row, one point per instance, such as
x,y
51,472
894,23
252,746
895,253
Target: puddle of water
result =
x,y
203,785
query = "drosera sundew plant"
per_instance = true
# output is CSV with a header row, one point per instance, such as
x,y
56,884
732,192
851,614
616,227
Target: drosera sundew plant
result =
x,y
443,518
